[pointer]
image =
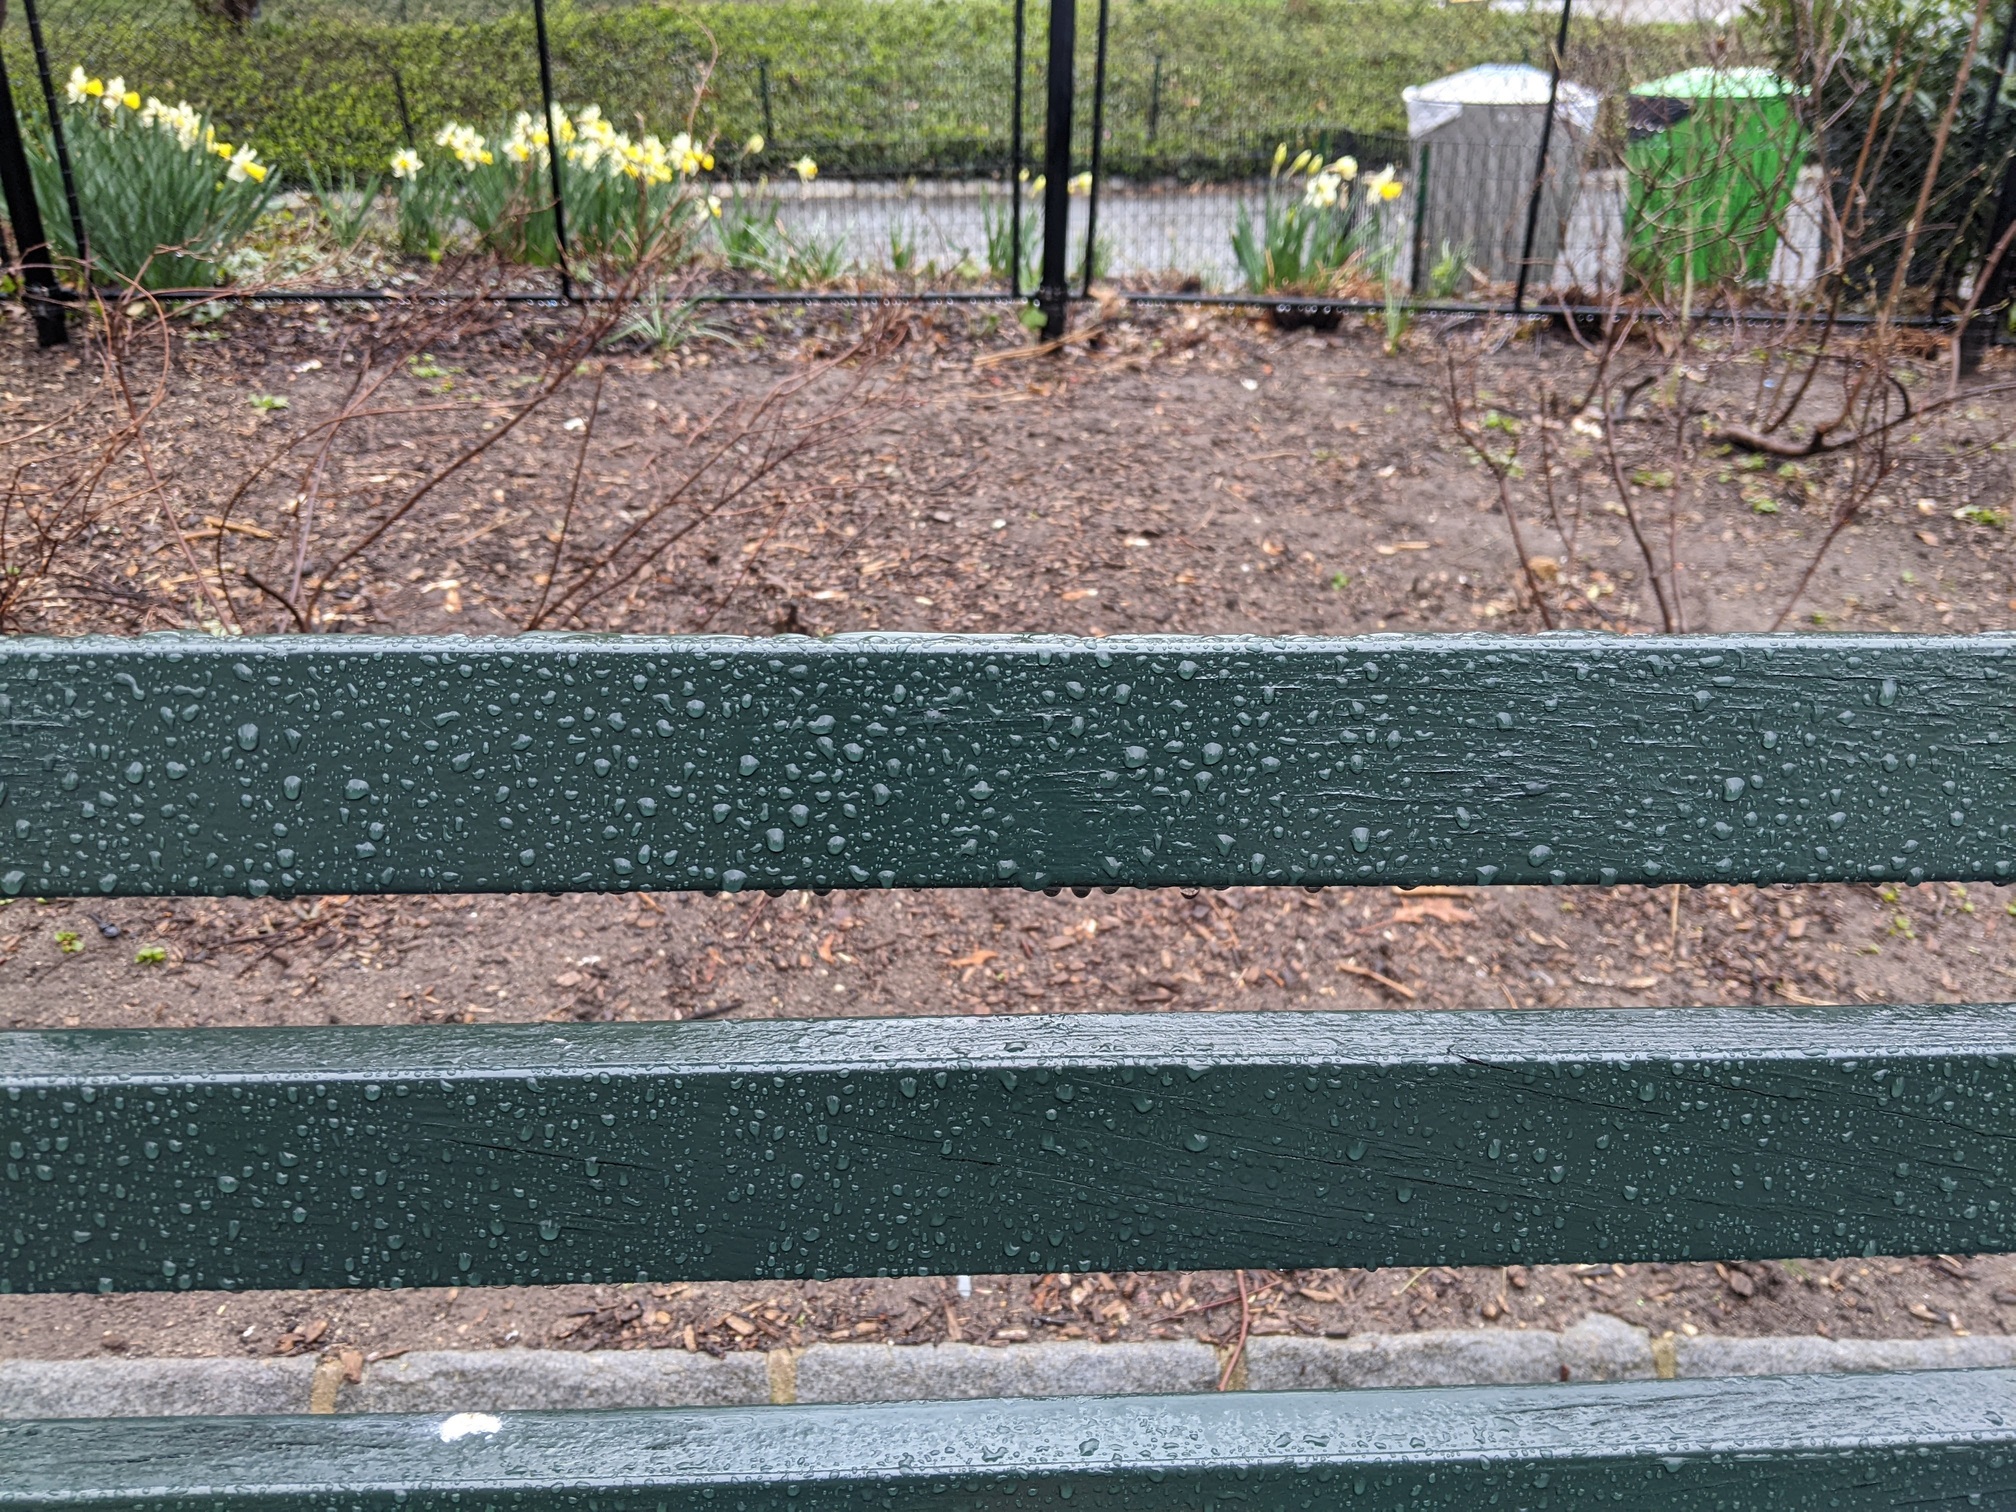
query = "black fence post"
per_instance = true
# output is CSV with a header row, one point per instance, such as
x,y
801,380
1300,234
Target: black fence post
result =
x,y
1098,131
1540,168
1991,301
552,146
763,83
405,110
1053,295
1015,163
1420,249
32,13
39,292
1992,297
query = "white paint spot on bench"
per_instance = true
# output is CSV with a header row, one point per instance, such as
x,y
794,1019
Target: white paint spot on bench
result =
x,y
462,1424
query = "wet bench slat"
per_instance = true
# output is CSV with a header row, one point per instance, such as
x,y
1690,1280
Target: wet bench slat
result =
x,y
175,765
1852,1443
475,1155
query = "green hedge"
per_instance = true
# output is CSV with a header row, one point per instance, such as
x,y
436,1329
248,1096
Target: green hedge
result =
x,y
865,86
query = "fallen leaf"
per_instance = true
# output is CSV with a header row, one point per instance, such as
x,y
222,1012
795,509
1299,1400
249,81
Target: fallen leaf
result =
x,y
314,1330
1923,1313
1394,548
829,596
1442,910
567,979
1927,537
741,1326
352,1361
977,958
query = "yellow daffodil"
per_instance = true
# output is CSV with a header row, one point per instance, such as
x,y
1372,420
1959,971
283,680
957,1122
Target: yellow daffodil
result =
x,y
1302,160
245,165
406,164
465,143
1346,168
1385,184
806,169
1080,185
78,90
1322,191
180,120
753,146
714,205
1036,184
130,99
112,93
1280,156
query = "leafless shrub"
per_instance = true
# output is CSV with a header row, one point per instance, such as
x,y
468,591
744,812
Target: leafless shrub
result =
x,y
1843,387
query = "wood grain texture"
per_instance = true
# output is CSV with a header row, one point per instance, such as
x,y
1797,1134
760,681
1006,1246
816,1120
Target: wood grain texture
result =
x,y
341,764
537,1153
1848,1443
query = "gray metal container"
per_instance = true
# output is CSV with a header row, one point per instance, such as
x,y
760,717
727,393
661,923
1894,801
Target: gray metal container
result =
x,y
1476,146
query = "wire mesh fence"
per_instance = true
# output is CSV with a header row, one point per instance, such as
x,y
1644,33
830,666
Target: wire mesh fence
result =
x,y
1784,154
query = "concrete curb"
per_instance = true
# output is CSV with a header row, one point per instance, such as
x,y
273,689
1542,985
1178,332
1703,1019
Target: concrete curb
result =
x,y
1599,1348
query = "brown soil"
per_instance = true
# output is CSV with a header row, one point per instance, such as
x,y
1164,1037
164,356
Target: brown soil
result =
x,y
1186,474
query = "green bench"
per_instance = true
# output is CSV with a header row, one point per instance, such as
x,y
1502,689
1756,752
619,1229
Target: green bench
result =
x,y
540,1154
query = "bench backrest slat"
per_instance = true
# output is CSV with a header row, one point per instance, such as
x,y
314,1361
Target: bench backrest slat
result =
x,y
179,765
431,1156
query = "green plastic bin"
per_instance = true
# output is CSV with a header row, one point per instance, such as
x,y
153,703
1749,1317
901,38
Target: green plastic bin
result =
x,y
1713,155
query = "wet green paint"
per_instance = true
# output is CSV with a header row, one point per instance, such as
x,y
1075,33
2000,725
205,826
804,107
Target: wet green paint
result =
x,y
1848,1443
431,1156
199,765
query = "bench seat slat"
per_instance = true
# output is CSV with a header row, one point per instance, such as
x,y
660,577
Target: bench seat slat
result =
x,y
342,765
1844,1442
540,1153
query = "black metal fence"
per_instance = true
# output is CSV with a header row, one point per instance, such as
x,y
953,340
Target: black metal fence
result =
x,y
1310,154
